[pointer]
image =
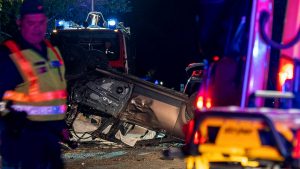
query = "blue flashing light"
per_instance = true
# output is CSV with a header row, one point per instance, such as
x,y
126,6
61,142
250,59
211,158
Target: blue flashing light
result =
x,y
61,23
112,23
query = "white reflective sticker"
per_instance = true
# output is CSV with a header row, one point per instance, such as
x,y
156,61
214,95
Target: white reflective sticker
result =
x,y
41,110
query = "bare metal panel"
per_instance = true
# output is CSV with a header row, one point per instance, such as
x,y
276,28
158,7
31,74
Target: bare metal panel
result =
x,y
152,106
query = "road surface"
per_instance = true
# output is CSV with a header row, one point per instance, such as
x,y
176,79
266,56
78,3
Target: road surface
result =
x,y
114,156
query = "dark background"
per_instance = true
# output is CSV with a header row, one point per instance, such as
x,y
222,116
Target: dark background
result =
x,y
167,35
165,39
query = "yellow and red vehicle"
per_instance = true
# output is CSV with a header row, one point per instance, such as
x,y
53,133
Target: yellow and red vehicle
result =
x,y
249,135
231,137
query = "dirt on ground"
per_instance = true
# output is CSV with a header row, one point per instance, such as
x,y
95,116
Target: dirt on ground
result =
x,y
105,156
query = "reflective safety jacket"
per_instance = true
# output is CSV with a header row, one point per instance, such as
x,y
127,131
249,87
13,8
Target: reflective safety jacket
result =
x,y
43,93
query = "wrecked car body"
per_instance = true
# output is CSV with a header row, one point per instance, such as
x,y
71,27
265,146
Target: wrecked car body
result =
x,y
123,102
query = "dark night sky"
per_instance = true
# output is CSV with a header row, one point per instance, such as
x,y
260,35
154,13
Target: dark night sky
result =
x,y
164,36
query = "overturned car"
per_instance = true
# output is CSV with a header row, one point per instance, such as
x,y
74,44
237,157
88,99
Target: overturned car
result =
x,y
106,103
116,103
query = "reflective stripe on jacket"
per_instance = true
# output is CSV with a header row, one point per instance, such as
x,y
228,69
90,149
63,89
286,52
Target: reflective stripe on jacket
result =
x,y
43,93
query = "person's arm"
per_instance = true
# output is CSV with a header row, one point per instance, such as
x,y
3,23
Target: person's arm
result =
x,y
9,74
9,77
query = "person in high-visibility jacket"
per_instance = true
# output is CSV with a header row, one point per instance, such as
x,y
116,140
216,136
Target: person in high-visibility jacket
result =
x,y
33,94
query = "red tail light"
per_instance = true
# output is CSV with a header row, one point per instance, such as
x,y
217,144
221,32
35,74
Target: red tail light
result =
x,y
216,58
198,138
286,71
203,103
208,103
296,150
188,130
200,102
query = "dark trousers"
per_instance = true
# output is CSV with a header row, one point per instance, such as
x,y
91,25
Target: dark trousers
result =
x,y
33,147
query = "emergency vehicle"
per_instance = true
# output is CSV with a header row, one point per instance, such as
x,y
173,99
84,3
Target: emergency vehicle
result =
x,y
238,122
97,43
